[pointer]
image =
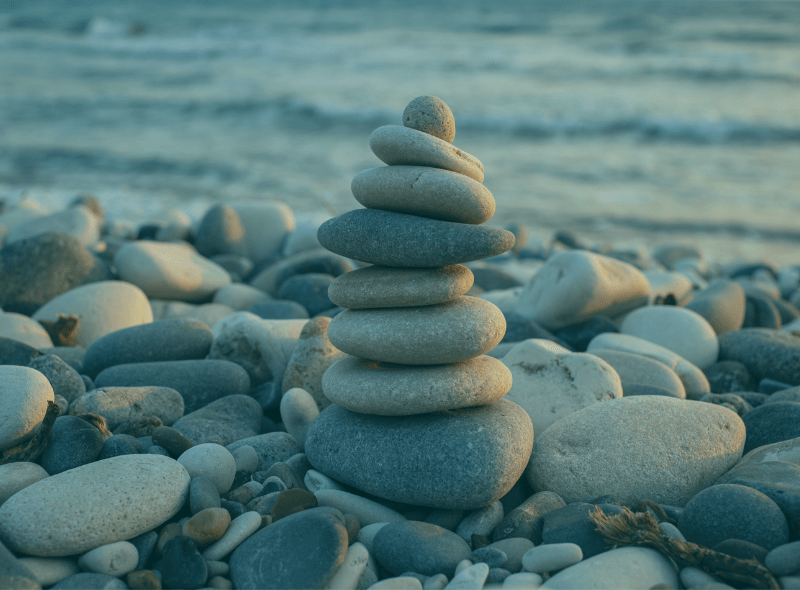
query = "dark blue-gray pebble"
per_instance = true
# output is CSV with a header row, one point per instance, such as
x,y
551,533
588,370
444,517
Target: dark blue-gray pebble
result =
x,y
784,395
268,395
527,519
578,336
65,380
771,423
447,519
784,560
770,386
497,575
519,328
72,355
144,543
87,382
753,398
490,278
299,465
234,508
419,547
202,494
309,290
518,493
120,444
761,312
14,575
238,267
182,566
87,581
286,474
14,352
71,443
765,353
571,524
491,556
157,450
324,263
231,418
220,232
729,377
742,549
279,309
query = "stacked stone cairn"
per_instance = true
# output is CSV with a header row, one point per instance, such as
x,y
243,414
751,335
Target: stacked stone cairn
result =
x,y
417,415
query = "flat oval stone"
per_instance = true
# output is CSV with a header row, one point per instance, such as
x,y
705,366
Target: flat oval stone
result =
x,y
722,304
96,504
644,447
386,389
397,239
227,419
437,334
22,328
635,369
380,286
423,191
23,403
18,476
130,404
71,443
626,567
401,146
419,547
460,459
766,353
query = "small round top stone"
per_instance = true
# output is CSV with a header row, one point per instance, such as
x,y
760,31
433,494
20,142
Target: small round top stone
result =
x,y
430,115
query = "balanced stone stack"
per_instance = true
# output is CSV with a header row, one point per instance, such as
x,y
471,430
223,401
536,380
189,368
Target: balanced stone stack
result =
x,y
416,415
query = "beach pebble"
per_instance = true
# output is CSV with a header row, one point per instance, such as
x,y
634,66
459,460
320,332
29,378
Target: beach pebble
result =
x,y
298,411
419,547
49,570
14,352
573,286
271,448
578,336
319,260
519,328
480,522
169,271
430,115
269,558
213,462
130,404
571,525
309,290
680,330
398,583
71,443
228,419
65,380
142,579
120,444
91,581
784,560
18,476
246,459
527,519
77,222
103,307
437,459
386,389
315,481
220,232
279,309
23,403
266,225
304,237
765,353
523,581
738,548
513,548
22,328
351,570
446,333
182,566
626,448
729,377
199,382
504,299
239,529
491,556
551,557
771,423
114,559
240,297
207,526
722,304
367,511
94,505
669,287
71,355
397,239
171,440
730,511
636,370
470,578
202,494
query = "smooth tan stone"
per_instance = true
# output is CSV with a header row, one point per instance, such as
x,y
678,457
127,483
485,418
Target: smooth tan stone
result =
x,y
386,389
24,393
384,286
424,191
207,526
396,145
437,334
430,114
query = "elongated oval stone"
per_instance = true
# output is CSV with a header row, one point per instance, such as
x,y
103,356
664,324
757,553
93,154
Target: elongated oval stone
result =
x,y
457,460
386,389
397,239
424,191
381,286
432,335
398,145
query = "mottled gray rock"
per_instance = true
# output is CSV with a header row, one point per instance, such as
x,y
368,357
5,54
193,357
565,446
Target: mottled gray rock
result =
x,y
309,290
228,419
397,239
431,115
271,448
71,443
220,232
412,546
17,476
23,402
771,423
130,404
72,355
14,574
766,353
635,369
527,519
722,304
627,567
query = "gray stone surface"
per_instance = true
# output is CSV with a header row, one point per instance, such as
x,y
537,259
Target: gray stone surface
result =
x,y
431,115
91,581
23,402
626,567
381,286
784,560
766,353
175,339
635,369
13,574
229,419
65,380
446,333
629,448
397,239
72,355
71,443
220,232
461,459
14,352
771,423
722,304
413,546
271,448
17,476
386,389
309,290
130,404
527,519
426,192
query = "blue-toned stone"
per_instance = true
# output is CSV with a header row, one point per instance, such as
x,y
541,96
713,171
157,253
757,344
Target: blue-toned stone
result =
x,y
72,442
770,386
230,418
144,543
309,290
419,547
202,494
270,448
765,353
65,380
268,395
784,560
87,581
722,304
771,423
742,550
578,336
14,352
729,377
784,395
72,355
571,524
120,444
234,508
761,312
519,328
279,309
491,556
527,519
13,574
182,565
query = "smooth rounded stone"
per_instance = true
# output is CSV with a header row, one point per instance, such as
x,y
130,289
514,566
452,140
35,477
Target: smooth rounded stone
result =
x,y
262,347
269,558
309,290
71,355
18,476
35,270
425,192
766,353
208,313
671,530
103,307
351,570
399,240
15,575
213,462
90,581
571,524
692,577
174,339
551,383
573,286
240,297
397,583
784,560
182,566
298,411
207,526
279,309
220,232
304,237
49,570
296,500
669,287
519,328
171,440
299,465
771,423
432,335
784,395
71,443
266,225
367,511
24,396
722,304
64,380
217,568
246,459
470,578
480,522
169,271
113,559
694,381
730,511
527,519
76,222
492,277
94,505
130,404
380,286
419,547
430,115
271,448
120,444
627,448
315,481
729,377
447,519
461,459
286,474
387,389
229,418
680,330
761,312
513,548
23,329
548,558
142,579
505,299
523,581
635,369
202,494
199,382
269,278
311,358
740,549
14,352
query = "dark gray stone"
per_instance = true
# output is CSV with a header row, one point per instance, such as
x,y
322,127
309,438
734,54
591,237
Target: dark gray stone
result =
x,y
753,398
182,566
87,382
324,263
279,556
639,389
722,304
199,381
742,550
238,267
571,524
784,395
761,312
87,581
268,395
144,543
765,353
419,547
527,519
14,352
171,440
491,277
270,448
65,380
309,290
729,377
72,442
514,498
230,418
175,339
202,494
220,232
397,239
437,460
491,556
784,560
578,336
519,328
286,474
157,450
35,270
497,575
234,508
731,401
14,575
447,519
299,464
72,355
120,444
729,511
771,423
279,309
770,386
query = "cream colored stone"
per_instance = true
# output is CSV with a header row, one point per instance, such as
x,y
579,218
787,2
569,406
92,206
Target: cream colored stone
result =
x,y
24,394
23,329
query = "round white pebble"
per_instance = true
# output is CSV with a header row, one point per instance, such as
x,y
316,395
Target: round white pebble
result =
x,y
114,559
213,462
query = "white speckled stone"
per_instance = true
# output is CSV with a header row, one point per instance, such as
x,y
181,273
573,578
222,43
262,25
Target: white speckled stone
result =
x,y
18,476
627,567
24,394
212,461
240,529
22,328
430,114
114,559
